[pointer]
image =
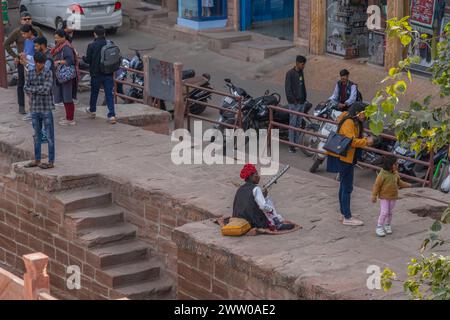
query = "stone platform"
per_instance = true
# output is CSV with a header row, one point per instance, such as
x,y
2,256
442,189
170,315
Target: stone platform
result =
x,y
323,260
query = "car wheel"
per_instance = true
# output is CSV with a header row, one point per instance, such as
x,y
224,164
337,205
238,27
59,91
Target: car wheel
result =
x,y
58,23
112,31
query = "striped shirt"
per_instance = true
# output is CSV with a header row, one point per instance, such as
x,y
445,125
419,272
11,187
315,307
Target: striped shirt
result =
x,y
40,86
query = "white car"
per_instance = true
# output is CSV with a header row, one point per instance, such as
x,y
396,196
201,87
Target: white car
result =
x,y
79,14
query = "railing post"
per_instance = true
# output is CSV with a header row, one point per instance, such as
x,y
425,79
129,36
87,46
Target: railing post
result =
x,y
36,279
178,99
115,88
269,133
145,96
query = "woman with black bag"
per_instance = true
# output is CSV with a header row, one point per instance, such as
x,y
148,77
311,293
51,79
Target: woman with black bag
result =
x,y
351,127
66,74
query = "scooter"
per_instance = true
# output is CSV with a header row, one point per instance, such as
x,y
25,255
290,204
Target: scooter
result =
x,y
328,110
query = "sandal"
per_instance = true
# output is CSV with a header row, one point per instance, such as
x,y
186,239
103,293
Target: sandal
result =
x,y
46,165
32,164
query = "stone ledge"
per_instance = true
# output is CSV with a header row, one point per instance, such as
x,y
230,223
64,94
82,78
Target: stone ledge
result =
x,y
140,115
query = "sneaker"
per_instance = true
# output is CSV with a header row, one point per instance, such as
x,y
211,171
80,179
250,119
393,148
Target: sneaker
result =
x,y
76,102
66,122
88,111
352,222
388,229
380,232
59,104
292,149
112,120
27,117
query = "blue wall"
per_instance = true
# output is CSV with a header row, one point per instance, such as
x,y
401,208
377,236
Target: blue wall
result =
x,y
265,10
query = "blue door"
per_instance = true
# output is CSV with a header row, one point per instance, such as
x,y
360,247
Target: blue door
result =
x,y
265,11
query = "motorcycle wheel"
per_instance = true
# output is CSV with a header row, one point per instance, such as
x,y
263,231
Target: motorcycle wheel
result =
x,y
315,166
197,108
309,141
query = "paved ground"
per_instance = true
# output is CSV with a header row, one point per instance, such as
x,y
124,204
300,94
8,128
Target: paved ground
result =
x,y
256,77
323,252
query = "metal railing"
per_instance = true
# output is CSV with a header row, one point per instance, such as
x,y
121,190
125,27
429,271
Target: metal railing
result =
x,y
189,102
427,180
116,82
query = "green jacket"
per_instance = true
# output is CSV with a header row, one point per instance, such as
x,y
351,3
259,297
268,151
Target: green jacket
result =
x,y
387,184
16,37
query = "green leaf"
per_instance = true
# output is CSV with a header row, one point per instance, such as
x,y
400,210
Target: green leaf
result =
x,y
400,86
405,40
427,100
376,126
437,226
387,106
409,76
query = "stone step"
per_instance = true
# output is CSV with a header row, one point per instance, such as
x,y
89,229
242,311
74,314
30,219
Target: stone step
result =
x,y
129,274
222,40
258,50
96,217
84,198
116,254
160,289
235,54
102,236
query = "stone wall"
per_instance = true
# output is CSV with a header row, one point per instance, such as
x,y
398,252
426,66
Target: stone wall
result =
x,y
32,220
304,25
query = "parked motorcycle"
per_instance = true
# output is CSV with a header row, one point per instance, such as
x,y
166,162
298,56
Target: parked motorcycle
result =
x,y
255,111
417,170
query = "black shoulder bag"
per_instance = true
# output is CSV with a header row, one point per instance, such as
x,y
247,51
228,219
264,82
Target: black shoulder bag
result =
x,y
337,143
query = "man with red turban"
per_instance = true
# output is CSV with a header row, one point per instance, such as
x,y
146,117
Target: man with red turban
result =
x,y
251,202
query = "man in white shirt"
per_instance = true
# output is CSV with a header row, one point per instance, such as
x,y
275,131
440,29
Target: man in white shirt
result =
x,y
346,92
252,204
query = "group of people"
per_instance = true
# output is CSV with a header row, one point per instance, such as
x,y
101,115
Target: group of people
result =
x,y
49,77
251,202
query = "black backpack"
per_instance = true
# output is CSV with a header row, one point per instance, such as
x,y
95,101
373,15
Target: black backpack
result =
x,y
110,58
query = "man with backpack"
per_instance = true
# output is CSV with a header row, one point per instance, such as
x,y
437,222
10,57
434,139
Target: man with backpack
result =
x,y
346,92
103,57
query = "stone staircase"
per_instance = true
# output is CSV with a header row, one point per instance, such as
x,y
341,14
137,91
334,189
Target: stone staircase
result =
x,y
121,261
246,46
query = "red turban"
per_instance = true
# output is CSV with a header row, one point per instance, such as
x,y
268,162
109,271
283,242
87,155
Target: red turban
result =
x,y
248,170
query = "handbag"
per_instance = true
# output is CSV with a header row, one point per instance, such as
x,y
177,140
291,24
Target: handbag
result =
x,y
338,144
65,73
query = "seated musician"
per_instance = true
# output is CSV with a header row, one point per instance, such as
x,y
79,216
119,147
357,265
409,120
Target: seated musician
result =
x,y
252,204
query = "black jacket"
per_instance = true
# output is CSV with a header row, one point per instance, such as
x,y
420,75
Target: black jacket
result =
x,y
93,56
245,207
295,87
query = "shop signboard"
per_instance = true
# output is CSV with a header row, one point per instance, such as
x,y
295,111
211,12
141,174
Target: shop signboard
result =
x,y
161,84
422,12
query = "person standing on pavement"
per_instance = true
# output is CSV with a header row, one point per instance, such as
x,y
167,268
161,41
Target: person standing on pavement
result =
x,y
39,84
40,45
351,126
16,38
64,54
99,78
296,96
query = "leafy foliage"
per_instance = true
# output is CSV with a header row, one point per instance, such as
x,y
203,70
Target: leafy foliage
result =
x,y
422,126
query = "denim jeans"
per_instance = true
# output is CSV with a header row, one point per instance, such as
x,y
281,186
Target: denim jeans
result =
x,y
346,188
107,82
43,120
295,121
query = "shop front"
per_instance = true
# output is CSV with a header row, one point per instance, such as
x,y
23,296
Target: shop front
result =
x,y
429,17
270,17
202,14
347,34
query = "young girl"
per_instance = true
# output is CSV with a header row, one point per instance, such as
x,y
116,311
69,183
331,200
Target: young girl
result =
x,y
386,189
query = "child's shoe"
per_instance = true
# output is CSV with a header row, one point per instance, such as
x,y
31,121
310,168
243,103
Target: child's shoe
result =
x,y
380,231
388,229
